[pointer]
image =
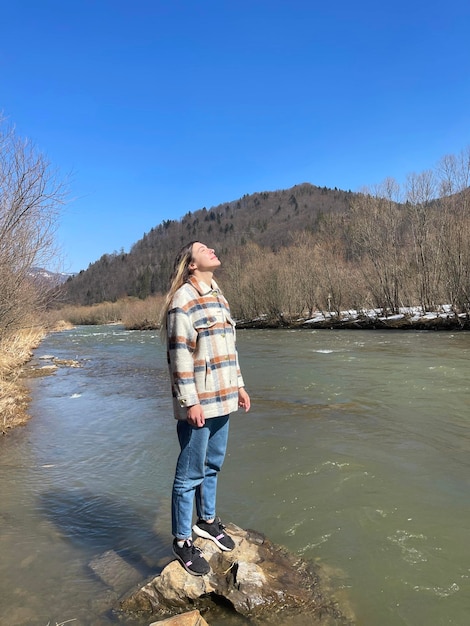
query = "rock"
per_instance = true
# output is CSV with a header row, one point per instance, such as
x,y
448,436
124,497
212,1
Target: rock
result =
x,y
257,580
67,362
115,572
34,370
193,618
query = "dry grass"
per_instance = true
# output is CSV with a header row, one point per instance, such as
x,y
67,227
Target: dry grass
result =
x,y
142,314
133,313
104,313
15,351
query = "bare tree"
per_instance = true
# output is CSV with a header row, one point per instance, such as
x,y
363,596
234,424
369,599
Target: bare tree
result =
x,y
294,270
30,198
376,230
454,173
426,244
304,271
243,280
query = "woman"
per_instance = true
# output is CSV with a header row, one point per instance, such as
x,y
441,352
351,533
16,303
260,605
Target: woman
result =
x,y
207,386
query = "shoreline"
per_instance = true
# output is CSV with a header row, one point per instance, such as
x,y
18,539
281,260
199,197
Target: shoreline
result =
x,y
16,353
353,321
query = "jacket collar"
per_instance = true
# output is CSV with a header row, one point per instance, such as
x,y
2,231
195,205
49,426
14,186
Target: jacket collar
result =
x,y
202,288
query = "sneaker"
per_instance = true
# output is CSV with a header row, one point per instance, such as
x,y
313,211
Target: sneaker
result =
x,y
214,532
191,558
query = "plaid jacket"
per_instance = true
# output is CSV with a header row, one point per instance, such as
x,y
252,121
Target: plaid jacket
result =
x,y
202,356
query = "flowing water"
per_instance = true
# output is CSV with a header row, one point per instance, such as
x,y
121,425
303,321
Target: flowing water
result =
x,y
355,455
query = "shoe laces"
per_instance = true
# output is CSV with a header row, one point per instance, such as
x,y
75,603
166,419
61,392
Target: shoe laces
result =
x,y
194,549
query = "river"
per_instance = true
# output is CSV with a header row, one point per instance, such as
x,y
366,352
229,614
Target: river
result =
x,y
355,455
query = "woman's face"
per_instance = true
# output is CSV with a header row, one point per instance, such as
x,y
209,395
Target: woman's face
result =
x,y
204,258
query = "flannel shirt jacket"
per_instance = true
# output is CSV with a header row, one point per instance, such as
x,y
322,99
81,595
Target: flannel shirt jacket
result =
x,y
202,355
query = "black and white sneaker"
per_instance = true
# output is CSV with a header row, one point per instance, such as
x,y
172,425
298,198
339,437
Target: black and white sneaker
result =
x,y
191,558
215,532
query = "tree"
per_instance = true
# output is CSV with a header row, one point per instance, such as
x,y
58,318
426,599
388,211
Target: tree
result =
x,y
426,243
454,173
304,272
376,230
30,198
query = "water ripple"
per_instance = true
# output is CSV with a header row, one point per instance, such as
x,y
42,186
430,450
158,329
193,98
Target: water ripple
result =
x,y
440,592
410,553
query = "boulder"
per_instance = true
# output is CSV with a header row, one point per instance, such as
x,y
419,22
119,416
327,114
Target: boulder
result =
x,y
192,618
115,572
258,580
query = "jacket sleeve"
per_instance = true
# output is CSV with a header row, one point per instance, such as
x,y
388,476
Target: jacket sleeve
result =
x,y
181,345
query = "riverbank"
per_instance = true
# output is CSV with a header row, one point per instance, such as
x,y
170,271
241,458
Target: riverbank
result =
x,y
408,318
15,352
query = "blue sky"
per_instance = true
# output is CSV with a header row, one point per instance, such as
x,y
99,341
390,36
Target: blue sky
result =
x,y
159,107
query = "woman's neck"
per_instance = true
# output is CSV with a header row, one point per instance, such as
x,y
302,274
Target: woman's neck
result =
x,y
203,277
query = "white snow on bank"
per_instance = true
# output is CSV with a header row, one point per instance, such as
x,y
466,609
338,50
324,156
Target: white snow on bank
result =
x,y
413,313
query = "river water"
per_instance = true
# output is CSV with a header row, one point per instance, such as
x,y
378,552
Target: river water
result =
x,y
355,455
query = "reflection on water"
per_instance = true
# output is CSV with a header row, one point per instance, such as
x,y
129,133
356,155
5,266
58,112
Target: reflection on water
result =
x,y
355,454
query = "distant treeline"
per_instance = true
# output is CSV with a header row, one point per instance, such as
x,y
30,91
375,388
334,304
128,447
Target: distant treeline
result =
x,y
288,253
267,219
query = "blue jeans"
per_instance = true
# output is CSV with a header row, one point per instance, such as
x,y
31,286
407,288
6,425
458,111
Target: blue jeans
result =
x,y
199,462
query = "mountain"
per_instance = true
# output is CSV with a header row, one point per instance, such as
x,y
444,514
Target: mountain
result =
x,y
47,278
267,218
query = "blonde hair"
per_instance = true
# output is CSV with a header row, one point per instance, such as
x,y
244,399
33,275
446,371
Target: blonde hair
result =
x,y
179,276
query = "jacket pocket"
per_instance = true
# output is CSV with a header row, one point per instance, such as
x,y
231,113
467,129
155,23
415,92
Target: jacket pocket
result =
x,y
205,323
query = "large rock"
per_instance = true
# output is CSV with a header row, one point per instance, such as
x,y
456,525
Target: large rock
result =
x,y
115,572
193,618
257,580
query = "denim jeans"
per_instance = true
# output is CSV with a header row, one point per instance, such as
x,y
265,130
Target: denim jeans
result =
x,y
199,462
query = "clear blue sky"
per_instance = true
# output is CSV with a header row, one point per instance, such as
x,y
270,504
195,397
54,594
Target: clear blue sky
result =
x,y
162,107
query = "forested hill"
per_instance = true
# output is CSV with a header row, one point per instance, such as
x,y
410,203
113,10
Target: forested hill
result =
x,y
268,218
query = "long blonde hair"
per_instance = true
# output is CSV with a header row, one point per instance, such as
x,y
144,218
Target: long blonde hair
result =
x,y
179,276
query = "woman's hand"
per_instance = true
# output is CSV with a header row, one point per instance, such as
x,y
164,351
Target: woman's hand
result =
x,y
195,416
244,401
